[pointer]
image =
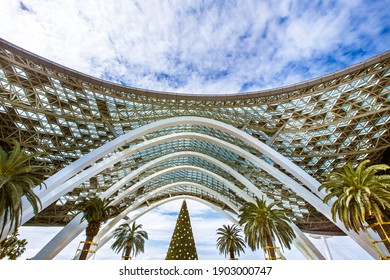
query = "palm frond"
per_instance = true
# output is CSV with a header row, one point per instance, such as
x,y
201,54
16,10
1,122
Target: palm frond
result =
x,y
264,224
17,179
129,237
230,240
96,209
358,193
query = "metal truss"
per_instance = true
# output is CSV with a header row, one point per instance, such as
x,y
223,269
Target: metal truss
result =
x,y
318,125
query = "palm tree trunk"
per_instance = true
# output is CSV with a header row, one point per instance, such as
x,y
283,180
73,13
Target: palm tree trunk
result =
x,y
231,251
383,231
86,247
271,248
91,231
127,253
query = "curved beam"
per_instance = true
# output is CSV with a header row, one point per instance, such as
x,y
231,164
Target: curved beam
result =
x,y
256,161
255,143
191,184
61,176
105,233
144,199
301,241
198,97
48,197
302,238
154,205
304,245
75,226
168,170
273,171
63,237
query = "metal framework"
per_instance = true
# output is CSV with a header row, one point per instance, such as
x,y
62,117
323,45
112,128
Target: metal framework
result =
x,y
317,125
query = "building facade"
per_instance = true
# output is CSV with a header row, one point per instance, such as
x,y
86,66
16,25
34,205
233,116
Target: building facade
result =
x,y
220,149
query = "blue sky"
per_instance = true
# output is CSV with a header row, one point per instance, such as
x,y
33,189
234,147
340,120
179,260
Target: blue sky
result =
x,y
200,46
196,47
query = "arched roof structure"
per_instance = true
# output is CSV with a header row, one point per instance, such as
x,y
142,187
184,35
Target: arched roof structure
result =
x,y
316,125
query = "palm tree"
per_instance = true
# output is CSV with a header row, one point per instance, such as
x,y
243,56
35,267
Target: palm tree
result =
x,y
17,179
230,241
130,240
95,211
360,196
263,224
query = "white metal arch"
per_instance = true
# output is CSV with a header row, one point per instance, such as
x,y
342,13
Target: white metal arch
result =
x,y
148,196
301,237
361,238
238,176
222,165
306,247
52,196
74,227
61,176
154,205
49,196
156,141
105,231
85,161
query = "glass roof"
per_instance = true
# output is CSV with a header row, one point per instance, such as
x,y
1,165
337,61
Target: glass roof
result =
x,y
319,125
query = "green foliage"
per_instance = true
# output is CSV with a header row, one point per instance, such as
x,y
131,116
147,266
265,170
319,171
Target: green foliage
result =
x,y
263,223
12,247
359,193
129,239
96,210
182,245
17,179
230,240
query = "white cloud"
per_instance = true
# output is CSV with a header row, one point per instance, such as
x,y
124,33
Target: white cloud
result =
x,y
198,47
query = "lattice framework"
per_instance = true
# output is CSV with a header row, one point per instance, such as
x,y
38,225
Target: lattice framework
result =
x,y
319,125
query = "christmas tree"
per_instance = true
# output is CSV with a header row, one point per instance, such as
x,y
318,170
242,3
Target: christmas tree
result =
x,y
182,246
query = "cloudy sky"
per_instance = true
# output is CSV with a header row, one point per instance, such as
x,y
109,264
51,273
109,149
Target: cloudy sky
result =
x,y
200,46
197,47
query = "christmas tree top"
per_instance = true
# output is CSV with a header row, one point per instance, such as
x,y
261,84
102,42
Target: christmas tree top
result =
x,y
182,246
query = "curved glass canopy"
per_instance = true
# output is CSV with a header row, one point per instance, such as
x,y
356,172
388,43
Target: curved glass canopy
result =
x,y
319,125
